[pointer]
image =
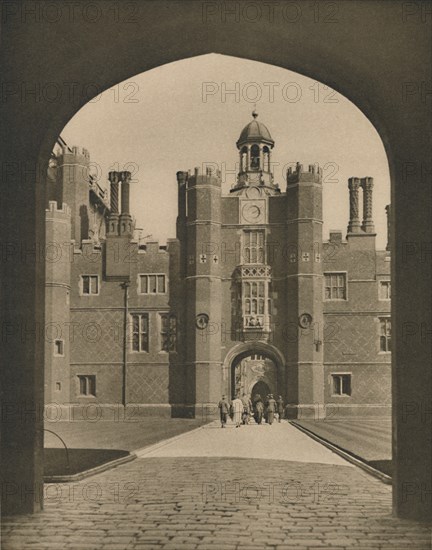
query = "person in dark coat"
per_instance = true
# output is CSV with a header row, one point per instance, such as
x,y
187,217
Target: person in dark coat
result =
x,y
280,408
247,408
258,408
265,407
224,409
271,409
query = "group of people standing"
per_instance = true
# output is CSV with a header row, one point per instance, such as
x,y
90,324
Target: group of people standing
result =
x,y
240,410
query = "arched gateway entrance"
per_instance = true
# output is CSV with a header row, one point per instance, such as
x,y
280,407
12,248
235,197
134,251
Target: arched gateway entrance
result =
x,y
254,374
255,368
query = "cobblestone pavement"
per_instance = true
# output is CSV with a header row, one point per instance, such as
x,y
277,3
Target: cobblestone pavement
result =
x,y
167,502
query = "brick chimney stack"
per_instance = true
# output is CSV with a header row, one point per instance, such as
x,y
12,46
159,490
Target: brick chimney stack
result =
x,y
125,191
120,229
114,199
126,225
388,212
354,219
367,224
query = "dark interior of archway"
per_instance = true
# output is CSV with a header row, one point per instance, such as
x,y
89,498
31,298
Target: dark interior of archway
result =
x,y
263,387
260,388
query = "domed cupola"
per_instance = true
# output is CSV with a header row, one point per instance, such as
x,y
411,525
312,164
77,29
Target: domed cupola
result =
x,y
255,144
255,132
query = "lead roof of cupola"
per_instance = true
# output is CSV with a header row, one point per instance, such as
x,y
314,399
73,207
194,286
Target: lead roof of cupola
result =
x,y
255,132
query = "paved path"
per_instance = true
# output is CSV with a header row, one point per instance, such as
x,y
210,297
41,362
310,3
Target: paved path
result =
x,y
200,492
276,442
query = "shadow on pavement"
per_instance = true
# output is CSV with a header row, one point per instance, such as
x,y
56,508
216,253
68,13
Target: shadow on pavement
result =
x,y
58,462
384,466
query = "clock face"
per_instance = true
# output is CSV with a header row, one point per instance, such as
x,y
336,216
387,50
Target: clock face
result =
x,y
305,320
202,320
251,213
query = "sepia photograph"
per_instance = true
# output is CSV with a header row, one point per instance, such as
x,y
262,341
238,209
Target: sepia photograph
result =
x,y
216,249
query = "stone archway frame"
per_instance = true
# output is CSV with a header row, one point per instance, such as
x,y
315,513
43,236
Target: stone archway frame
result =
x,y
245,349
376,73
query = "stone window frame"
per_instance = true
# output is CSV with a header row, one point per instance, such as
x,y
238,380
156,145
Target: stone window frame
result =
x,y
58,340
345,274
258,305
341,374
148,275
169,333
89,385
387,320
141,315
81,284
380,285
246,245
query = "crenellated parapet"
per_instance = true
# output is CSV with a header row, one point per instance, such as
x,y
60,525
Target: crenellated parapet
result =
x,y
73,186
70,158
298,174
153,248
200,177
75,151
54,212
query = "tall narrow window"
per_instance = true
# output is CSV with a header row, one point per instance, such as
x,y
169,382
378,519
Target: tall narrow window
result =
x,y
384,290
90,284
59,348
140,332
255,157
168,332
266,158
385,334
253,249
335,286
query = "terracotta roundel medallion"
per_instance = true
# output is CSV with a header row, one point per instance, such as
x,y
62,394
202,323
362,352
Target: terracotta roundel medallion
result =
x,y
305,320
201,321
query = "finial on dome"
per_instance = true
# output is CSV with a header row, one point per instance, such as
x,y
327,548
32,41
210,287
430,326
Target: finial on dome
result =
x,y
254,113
